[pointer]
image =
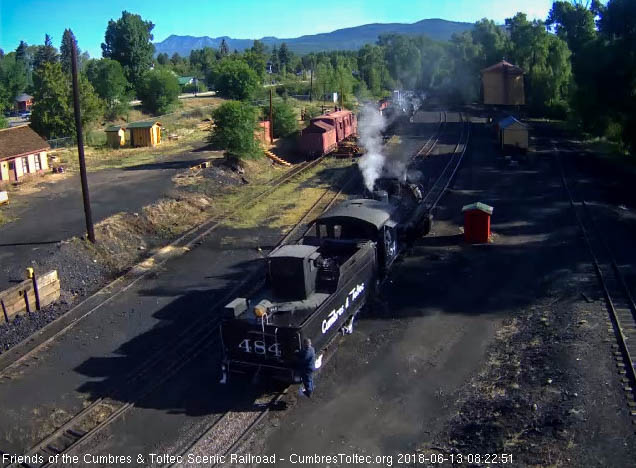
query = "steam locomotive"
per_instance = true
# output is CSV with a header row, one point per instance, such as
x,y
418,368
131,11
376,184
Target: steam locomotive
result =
x,y
315,288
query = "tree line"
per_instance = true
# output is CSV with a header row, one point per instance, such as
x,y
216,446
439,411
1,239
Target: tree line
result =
x,y
579,63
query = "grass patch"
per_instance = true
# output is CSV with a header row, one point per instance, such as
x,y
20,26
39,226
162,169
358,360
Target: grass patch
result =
x,y
5,218
289,203
125,238
104,157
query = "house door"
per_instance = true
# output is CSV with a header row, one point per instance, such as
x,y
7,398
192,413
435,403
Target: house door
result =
x,y
12,176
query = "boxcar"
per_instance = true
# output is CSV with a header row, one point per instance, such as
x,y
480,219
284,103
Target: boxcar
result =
x,y
318,138
325,132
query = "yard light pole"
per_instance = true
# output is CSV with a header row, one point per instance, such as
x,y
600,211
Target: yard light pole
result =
x,y
80,144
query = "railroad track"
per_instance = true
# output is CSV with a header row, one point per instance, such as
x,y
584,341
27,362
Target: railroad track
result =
x,y
618,297
199,337
432,141
226,433
191,238
437,190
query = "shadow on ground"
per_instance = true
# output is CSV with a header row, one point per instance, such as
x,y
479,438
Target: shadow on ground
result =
x,y
441,275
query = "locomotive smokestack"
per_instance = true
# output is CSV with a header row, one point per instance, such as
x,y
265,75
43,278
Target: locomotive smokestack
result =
x,y
370,129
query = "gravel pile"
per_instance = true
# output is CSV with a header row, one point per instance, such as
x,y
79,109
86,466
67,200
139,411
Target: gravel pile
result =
x,y
80,275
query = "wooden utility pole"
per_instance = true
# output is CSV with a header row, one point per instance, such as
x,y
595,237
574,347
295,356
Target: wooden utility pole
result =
x,y
311,85
271,117
80,145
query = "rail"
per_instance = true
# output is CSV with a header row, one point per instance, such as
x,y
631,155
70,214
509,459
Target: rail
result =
x,y
83,426
437,190
199,337
228,431
619,300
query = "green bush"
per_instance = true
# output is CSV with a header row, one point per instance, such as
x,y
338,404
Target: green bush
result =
x,y
293,89
234,126
159,91
614,131
116,110
312,111
285,119
234,79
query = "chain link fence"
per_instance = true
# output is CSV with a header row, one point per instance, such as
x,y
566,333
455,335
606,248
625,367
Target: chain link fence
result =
x,y
61,142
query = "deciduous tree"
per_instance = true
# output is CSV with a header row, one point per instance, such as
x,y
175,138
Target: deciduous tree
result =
x,y
12,80
234,79
129,41
159,91
285,119
234,126
109,82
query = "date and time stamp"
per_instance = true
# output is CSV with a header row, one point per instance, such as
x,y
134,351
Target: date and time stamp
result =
x,y
409,459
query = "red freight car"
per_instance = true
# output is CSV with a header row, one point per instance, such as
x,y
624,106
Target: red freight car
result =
x,y
325,132
318,138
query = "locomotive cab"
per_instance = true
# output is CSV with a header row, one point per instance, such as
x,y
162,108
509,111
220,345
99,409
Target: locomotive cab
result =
x,y
360,219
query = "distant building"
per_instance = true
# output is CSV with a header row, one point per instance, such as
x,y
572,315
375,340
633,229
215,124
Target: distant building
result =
x,y
115,136
263,133
23,102
502,85
185,80
22,152
513,133
144,133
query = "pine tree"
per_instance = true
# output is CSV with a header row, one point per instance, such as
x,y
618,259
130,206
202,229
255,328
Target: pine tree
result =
x,y
45,54
51,117
284,55
21,52
65,50
52,112
224,50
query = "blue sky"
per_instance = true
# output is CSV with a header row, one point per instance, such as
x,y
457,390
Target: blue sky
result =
x,y
29,20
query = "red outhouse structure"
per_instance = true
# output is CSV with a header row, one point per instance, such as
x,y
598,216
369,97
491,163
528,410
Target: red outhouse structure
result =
x,y
477,222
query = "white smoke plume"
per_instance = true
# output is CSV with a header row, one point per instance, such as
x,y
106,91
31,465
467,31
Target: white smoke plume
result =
x,y
370,128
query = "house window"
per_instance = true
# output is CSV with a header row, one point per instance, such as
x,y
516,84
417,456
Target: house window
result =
x,y
38,164
25,165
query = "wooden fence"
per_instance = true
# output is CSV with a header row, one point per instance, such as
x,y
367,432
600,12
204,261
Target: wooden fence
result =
x,y
30,295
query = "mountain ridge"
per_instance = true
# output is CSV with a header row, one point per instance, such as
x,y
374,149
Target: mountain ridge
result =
x,y
351,38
